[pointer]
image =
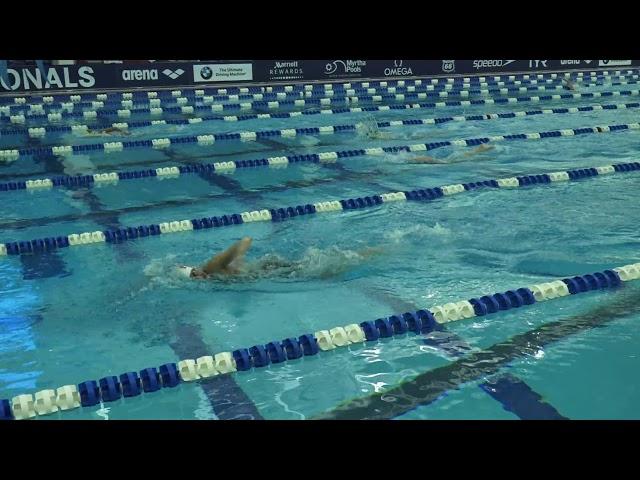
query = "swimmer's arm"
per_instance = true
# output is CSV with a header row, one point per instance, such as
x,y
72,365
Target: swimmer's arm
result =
x,y
479,149
425,160
221,261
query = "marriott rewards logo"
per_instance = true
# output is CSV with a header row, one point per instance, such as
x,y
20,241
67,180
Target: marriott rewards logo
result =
x,y
286,71
55,78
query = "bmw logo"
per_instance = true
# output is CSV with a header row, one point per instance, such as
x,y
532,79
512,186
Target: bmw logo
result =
x,y
206,73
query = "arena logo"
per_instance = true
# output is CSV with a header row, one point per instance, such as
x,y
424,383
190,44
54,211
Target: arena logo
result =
x,y
448,66
286,71
32,78
478,64
149,74
572,62
348,66
398,70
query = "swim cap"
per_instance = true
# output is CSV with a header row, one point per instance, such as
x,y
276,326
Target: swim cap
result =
x,y
185,271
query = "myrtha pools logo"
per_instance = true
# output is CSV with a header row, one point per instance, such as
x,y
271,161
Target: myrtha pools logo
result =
x,y
348,66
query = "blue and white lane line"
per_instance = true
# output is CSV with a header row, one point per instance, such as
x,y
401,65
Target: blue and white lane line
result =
x,y
41,132
283,161
279,214
175,104
169,375
158,112
329,157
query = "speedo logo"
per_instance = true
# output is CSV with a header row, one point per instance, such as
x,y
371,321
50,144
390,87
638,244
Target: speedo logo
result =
x,y
478,64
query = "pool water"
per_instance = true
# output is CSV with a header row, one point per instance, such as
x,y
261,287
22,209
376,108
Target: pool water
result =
x,y
87,312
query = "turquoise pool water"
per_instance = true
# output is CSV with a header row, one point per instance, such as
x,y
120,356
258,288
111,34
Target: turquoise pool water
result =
x,y
87,312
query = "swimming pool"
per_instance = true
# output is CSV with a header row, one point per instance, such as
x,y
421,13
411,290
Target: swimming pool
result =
x,y
68,315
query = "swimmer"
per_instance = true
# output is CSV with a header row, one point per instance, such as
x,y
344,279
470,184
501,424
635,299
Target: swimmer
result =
x,y
230,263
369,128
107,131
453,158
568,84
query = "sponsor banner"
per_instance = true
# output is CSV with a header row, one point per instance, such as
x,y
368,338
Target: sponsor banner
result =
x,y
499,66
172,74
183,74
280,70
577,63
98,76
614,63
342,69
21,79
222,72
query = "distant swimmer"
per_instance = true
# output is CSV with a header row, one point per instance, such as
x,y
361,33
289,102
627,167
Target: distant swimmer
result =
x,y
107,131
452,158
369,128
568,84
230,263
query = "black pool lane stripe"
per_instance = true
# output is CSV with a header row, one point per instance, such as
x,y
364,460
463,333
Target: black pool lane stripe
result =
x,y
429,386
173,157
45,264
225,396
228,188
517,397
513,393
227,399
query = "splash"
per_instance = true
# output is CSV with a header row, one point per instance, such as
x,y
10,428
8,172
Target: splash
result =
x,y
416,232
308,141
368,127
78,165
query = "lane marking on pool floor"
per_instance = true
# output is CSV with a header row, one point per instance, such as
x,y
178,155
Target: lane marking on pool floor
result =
x,y
431,385
130,384
513,393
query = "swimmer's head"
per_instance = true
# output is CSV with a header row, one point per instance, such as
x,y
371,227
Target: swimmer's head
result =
x,y
191,272
185,271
